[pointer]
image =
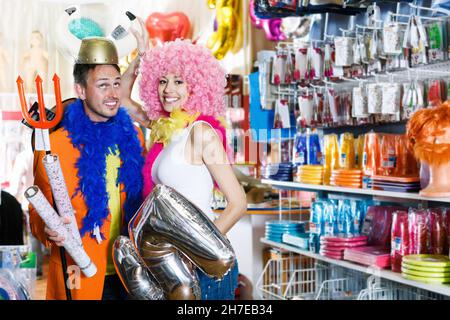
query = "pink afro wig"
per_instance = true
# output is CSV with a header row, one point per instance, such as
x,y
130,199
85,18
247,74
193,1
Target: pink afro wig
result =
x,y
194,64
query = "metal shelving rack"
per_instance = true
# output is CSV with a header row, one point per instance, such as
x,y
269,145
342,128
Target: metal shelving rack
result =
x,y
381,273
443,289
369,192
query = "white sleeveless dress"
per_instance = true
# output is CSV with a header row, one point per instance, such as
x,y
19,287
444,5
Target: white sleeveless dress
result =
x,y
193,181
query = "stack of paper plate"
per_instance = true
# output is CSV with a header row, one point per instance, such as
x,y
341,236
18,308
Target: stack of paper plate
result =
x,y
398,184
350,178
333,247
310,174
299,240
278,171
429,268
369,255
276,228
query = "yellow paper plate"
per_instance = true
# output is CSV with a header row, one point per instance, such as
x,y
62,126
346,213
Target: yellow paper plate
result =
x,y
345,180
347,171
311,167
310,176
310,182
427,260
425,274
426,279
345,185
426,269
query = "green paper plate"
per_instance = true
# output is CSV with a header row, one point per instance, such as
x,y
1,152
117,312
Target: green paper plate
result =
x,y
426,269
425,279
427,260
426,274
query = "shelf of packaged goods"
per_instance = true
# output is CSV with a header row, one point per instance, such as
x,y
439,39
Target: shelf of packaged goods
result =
x,y
443,289
272,211
370,192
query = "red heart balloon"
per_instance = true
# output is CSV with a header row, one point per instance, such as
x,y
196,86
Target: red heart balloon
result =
x,y
164,27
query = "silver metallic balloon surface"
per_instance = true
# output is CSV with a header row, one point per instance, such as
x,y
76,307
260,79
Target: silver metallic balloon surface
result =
x,y
177,279
168,218
139,282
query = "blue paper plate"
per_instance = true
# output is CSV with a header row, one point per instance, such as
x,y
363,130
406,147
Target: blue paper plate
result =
x,y
285,223
280,234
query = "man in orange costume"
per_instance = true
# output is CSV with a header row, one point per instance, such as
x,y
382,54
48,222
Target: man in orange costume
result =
x,y
101,154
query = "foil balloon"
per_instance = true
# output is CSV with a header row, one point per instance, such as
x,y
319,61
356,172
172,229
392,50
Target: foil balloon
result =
x,y
229,28
171,234
167,217
133,272
85,27
239,41
78,22
175,275
271,27
163,27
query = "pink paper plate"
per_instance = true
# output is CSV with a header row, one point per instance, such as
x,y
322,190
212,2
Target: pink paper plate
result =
x,y
343,245
333,254
344,239
332,249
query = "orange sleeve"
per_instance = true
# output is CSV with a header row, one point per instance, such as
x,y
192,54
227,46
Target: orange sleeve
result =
x,y
142,140
40,179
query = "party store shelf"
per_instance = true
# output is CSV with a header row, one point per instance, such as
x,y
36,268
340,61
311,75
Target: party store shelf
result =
x,y
311,187
385,274
267,211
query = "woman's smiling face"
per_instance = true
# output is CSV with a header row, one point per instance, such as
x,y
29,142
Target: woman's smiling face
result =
x,y
173,92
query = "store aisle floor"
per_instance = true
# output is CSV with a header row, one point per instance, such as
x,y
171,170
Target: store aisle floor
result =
x,y
41,284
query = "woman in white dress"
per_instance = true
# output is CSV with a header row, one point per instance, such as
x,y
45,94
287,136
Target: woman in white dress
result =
x,y
182,87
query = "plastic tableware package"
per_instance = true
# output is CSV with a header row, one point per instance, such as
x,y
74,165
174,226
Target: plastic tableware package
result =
x,y
331,156
347,150
315,226
446,219
356,214
437,231
401,167
314,153
377,225
359,151
330,220
300,150
344,219
419,236
400,243
388,155
316,221
371,156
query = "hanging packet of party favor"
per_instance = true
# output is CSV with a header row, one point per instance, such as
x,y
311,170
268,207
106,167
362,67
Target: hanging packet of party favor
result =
x,y
300,150
314,149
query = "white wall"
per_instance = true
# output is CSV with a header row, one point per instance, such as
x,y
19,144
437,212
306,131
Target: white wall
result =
x,y
21,17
